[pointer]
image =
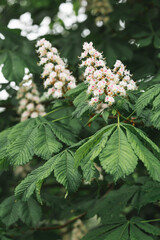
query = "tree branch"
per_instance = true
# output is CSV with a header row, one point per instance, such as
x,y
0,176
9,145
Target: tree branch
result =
x,y
60,226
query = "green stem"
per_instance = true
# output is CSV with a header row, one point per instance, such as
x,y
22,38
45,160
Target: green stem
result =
x,y
152,220
131,114
118,119
58,119
54,110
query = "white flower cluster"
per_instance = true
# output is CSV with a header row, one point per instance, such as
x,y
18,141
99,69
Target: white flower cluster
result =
x,y
57,77
104,83
29,101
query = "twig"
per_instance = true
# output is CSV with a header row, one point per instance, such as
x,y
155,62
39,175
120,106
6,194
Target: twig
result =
x,y
60,226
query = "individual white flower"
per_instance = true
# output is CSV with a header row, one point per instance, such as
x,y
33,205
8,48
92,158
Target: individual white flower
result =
x,y
23,101
117,64
131,87
30,107
48,67
34,114
40,42
58,85
50,55
43,61
42,51
47,82
29,96
25,114
101,84
71,85
93,100
57,94
109,99
47,44
40,108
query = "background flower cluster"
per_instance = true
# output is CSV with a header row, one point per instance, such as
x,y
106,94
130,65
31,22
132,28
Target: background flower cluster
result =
x,y
29,99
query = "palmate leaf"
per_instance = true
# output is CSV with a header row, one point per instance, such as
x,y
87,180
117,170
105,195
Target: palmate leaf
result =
x,y
133,230
118,157
118,152
147,97
33,136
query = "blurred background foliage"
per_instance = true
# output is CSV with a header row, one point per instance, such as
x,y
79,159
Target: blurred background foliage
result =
x,y
127,30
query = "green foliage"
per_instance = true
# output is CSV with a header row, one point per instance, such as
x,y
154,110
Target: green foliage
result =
x,y
107,162
122,231
34,136
118,155
64,171
11,210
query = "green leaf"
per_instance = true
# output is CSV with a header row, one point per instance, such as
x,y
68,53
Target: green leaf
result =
x,y
105,116
4,164
9,211
26,188
81,109
147,97
118,158
148,228
156,42
65,171
13,68
80,87
150,161
45,142
99,233
91,143
63,133
109,207
137,234
21,150
88,168
109,232
155,118
142,136
149,193
145,41
29,212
